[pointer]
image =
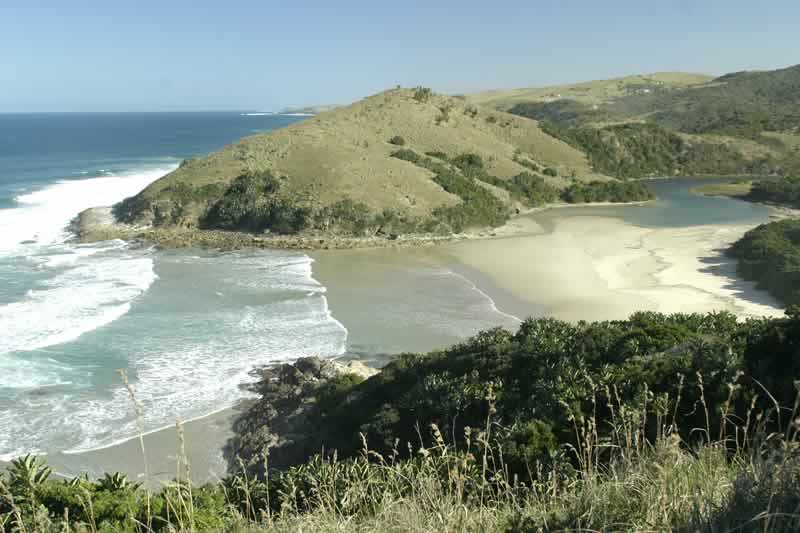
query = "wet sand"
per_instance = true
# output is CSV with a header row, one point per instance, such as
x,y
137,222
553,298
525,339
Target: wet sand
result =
x,y
204,439
594,268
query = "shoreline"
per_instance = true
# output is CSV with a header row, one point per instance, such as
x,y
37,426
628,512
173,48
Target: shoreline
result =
x,y
97,224
608,269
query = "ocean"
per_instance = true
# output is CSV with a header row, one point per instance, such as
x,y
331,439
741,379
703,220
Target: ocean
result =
x,y
186,327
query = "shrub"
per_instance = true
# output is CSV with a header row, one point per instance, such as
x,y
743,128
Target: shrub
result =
x,y
397,140
606,191
437,155
346,216
469,163
251,203
770,256
406,155
422,94
550,171
444,113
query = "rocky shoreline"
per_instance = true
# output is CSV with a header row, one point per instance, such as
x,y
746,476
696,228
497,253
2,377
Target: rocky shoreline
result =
x,y
280,422
98,224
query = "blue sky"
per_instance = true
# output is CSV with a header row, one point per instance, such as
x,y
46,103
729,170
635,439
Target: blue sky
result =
x,y
143,55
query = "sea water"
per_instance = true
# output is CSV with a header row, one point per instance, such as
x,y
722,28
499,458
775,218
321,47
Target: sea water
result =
x,y
185,327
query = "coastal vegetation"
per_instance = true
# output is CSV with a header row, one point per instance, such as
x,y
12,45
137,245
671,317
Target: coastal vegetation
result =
x,y
770,256
638,150
740,123
734,189
463,174
784,191
681,422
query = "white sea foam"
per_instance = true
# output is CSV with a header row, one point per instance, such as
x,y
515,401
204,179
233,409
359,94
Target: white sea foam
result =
x,y
42,216
60,309
186,361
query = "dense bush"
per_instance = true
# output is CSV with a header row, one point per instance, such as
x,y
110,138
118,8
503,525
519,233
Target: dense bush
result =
x,y
606,191
469,163
478,206
525,187
536,379
643,150
770,255
785,191
422,94
252,203
550,171
406,155
437,155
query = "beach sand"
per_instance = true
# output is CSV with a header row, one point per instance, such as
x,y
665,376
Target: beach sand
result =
x,y
594,268
204,439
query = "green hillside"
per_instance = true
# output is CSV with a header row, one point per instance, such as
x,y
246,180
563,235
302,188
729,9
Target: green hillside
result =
x,y
740,123
335,173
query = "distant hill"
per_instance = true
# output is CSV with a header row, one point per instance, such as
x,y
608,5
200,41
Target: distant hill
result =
x,y
312,110
590,92
341,170
739,123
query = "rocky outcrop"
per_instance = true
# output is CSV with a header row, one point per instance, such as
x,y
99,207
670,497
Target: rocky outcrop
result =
x,y
281,423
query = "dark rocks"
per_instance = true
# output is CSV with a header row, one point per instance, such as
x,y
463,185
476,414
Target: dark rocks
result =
x,y
281,421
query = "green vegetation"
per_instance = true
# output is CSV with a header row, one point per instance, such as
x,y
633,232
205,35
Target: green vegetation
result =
x,y
397,140
639,150
422,94
736,189
784,191
530,165
478,206
683,126
682,423
252,203
607,191
742,104
550,371
770,255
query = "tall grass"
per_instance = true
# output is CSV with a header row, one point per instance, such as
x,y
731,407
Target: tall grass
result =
x,y
636,475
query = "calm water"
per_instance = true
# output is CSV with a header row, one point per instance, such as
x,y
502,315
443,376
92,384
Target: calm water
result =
x,y
676,206
185,326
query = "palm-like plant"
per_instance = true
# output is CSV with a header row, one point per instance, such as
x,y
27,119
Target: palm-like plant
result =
x,y
27,473
115,482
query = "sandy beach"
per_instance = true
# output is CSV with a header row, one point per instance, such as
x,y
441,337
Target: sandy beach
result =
x,y
594,268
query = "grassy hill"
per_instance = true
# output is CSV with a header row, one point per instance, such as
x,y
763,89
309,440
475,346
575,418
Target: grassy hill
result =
x,y
739,123
590,92
338,165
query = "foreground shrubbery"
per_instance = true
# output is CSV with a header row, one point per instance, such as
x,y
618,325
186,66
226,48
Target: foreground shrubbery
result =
x,y
683,422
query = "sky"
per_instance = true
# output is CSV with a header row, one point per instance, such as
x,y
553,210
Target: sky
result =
x,y
179,55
